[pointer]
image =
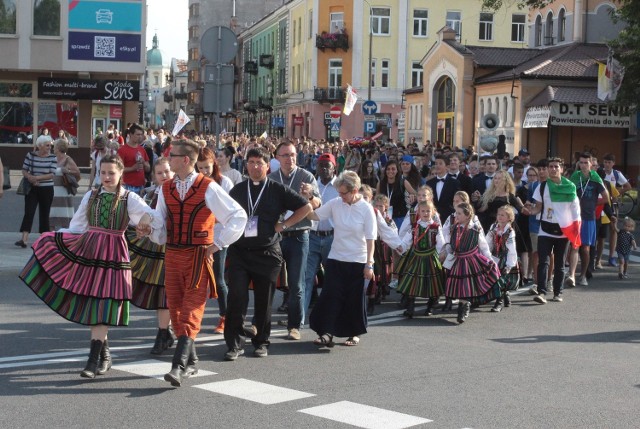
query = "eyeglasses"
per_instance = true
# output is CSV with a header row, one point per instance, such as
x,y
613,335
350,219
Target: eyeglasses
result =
x,y
256,164
344,193
287,155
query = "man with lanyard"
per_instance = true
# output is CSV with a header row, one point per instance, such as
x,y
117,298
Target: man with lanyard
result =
x,y
135,160
321,234
591,192
621,183
555,199
295,240
191,204
256,257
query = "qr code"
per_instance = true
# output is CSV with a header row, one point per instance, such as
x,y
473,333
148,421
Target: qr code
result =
x,y
104,47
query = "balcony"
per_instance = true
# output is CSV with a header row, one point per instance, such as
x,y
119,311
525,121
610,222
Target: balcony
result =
x,y
266,61
328,95
251,67
332,41
182,95
168,98
250,106
265,103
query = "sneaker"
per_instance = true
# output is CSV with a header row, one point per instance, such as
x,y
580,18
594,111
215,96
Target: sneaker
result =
x,y
556,298
283,322
613,262
294,334
598,266
232,354
625,276
570,281
533,290
582,281
393,284
540,299
261,351
250,331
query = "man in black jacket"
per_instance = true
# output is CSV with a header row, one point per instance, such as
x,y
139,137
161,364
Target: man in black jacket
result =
x,y
444,187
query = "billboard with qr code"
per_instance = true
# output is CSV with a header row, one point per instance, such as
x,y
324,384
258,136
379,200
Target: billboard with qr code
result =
x,y
104,46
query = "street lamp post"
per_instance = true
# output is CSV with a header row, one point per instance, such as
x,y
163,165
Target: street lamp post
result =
x,y
370,51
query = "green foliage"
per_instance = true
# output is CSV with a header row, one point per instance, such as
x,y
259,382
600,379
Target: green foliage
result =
x,y
627,50
7,17
46,18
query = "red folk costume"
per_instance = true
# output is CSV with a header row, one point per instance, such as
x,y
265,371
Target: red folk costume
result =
x,y
189,274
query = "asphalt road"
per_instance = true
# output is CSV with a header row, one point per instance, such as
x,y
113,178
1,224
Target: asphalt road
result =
x,y
561,365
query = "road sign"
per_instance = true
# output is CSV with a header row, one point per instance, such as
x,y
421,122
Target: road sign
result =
x,y
218,44
369,107
335,112
369,126
335,127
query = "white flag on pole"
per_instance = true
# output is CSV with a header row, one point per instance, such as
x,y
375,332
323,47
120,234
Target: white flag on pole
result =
x,y
350,102
183,120
263,135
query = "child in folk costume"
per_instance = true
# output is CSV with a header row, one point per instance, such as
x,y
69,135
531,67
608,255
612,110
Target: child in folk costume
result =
x,y
421,272
473,276
147,266
626,242
502,244
97,291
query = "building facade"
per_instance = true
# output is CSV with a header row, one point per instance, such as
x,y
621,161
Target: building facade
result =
x,y
70,67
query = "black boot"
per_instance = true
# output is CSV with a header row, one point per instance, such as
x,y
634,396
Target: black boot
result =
x,y
371,304
171,337
105,359
507,299
180,359
448,305
191,368
92,363
497,307
432,301
163,342
411,305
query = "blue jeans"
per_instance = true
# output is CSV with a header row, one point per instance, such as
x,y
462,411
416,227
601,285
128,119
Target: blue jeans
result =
x,y
219,259
549,247
318,252
294,251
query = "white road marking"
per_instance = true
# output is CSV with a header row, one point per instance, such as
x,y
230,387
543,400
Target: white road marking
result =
x,y
154,369
254,391
364,416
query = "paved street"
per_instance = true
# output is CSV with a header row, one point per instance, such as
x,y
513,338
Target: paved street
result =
x,y
561,365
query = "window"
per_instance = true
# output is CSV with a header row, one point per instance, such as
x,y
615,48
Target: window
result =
x,y
156,79
299,30
46,18
310,24
548,29
336,20
420,21
384,80
486,26
416,74
454,21
562,26
7,17
294,33
294,87
380,20
335,73
538,31
517,27
372,78
194,10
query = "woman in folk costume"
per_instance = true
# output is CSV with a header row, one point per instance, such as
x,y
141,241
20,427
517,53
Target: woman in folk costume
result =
x,y
83,272
502,244
421,272
147,267
473,276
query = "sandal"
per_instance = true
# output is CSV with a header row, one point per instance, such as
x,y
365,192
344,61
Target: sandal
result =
x,y
352,341
325,340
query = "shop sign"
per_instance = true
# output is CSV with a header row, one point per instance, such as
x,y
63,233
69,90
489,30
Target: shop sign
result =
x,y
537,117
88,89
589,115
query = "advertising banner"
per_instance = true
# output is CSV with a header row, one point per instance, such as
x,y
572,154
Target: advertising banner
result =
x,y
589,115
88,89
104,46
105,16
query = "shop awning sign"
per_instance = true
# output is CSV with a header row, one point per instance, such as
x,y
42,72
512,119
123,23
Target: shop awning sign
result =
x,y
537,117
589,115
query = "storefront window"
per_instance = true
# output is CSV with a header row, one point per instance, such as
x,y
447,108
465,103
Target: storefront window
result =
x,y
59,117
16,122
16,90
7,17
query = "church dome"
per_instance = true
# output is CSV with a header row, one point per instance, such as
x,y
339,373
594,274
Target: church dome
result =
x,y
154,55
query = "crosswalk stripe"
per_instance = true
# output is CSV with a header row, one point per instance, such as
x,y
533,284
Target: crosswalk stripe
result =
x,y
154,369
364,416
254,391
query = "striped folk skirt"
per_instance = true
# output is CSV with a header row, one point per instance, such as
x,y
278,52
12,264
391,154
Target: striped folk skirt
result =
x,y
147,272
473,277
84,278
421,274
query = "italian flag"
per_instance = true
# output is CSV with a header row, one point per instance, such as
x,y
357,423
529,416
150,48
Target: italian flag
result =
x,y
566,209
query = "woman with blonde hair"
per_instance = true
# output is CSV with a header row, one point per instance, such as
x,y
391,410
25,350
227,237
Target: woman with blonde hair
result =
x,y
501,192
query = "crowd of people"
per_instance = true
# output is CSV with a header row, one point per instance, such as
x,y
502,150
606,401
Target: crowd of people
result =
x,y
350,221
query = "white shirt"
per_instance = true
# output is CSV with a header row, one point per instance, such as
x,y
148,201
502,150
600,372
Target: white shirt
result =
x,y
354,224
611,178
512,253
388,233
440,185
407,239
136,208
548,215
327,193
234,175
227,211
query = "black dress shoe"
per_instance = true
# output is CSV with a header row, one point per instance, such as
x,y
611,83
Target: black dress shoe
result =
x,y
21,243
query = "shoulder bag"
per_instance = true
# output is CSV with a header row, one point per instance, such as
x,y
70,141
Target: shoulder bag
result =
x,y
25,186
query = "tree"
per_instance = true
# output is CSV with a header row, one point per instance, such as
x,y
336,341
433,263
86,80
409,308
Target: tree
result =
x,y
626,46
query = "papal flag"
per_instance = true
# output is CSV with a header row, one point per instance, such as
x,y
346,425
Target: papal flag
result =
x,y
350,102
610,77
183,120
264,135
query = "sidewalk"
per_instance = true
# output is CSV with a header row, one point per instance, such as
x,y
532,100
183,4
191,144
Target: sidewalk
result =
x,y
14,257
